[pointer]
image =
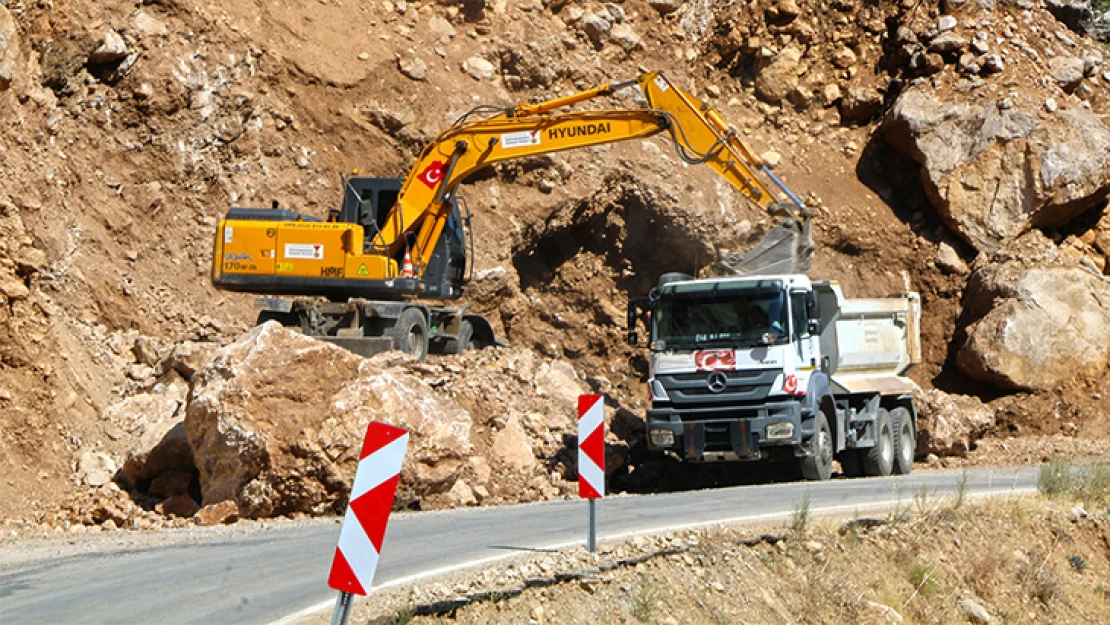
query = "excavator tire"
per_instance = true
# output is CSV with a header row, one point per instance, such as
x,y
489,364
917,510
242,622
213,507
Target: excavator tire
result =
x,y
410,333
466,340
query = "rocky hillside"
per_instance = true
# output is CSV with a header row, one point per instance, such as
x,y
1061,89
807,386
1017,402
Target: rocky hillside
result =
x,y
957,148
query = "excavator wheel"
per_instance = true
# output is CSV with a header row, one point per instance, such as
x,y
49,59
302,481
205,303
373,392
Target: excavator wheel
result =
x,y
410,333
466,340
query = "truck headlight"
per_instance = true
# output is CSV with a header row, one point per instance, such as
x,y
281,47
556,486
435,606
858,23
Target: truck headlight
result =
x,y
662,438
782,429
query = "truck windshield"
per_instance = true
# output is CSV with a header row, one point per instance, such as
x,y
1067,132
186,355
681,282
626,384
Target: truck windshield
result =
x,y
734,317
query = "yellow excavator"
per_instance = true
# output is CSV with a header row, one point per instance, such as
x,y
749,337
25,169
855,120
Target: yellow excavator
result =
x,y
358,274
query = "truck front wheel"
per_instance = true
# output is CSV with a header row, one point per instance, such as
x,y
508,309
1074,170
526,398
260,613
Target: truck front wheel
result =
x,y
879,460
817,466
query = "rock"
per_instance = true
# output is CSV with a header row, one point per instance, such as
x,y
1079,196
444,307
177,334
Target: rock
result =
x,y
188,357
513,447
948,425
845,58
442,29
1067,71
949,261
277,419
946,22
595,27
1035,326
180,506
147,25
666,7
625,37
992,64
414,67
771,158
858,106
878,613
461,495
478,68
215,514
947,42
95,468
830,93
1077,513
974,612
993,172
560,381
1050,105
9,48
161,445
112,48
779,76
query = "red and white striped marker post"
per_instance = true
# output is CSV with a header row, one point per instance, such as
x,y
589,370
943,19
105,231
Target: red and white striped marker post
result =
x,y
591,458
360,538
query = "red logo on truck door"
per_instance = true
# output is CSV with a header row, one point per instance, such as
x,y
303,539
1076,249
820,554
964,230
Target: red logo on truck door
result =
x,y
715,360
432,174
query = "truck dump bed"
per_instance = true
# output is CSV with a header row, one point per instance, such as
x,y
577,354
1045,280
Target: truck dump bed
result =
x,y
878,341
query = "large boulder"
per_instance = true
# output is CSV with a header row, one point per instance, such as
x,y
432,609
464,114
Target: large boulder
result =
x,y
993,172
949,425
1040,321
277,420
157,418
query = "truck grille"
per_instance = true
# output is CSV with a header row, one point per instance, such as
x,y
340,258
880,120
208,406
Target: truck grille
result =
x,y
690,390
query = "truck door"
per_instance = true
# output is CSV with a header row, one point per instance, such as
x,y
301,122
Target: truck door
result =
x,y
806,344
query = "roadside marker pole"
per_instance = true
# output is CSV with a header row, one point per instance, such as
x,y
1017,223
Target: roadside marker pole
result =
x,y
360,538
591,459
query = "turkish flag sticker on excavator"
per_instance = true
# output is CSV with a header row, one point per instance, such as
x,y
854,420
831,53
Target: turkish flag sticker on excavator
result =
x,y
432,174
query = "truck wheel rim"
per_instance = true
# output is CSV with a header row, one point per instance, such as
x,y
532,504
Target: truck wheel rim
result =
x,y
886,439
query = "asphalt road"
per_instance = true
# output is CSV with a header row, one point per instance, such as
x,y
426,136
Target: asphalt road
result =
x,y
266,576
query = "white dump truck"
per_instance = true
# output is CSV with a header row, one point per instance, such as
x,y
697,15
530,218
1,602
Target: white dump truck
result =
x,y
779,367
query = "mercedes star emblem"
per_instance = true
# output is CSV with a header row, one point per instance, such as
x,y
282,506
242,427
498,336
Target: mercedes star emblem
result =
x,y
717,382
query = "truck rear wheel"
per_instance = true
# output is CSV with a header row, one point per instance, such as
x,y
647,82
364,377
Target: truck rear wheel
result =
x,y
818,465
878,461
410,333
905,440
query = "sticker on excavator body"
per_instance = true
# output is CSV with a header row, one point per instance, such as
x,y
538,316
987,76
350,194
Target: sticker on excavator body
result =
x,y
520,139
432,174
304,250
283,268
362,270
661,83
228,230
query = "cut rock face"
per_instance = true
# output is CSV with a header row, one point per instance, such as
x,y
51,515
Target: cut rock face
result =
x,y
993,172
1039,325
277,422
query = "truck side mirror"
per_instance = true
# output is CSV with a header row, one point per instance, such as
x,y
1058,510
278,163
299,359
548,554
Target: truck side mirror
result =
x,y
813,306
633,339
813,326
635,309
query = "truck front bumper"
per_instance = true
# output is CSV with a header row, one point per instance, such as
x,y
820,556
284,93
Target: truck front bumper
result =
x,y
708,434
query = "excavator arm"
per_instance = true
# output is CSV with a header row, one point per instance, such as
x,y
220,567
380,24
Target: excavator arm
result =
x,y
699,133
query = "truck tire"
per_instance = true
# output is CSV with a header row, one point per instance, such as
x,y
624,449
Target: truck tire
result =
x,y
410,333
851,463
878,461
905,440
818,465
466,341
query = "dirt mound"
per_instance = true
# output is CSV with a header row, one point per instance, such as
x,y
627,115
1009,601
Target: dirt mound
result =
x,y
129,130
